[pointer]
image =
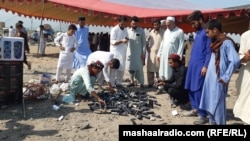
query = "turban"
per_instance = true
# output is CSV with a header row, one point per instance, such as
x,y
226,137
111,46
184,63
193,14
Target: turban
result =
x,y
171,19
81,18
174,56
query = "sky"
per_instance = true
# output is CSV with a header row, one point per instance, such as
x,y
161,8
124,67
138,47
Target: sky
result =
x,y
33,24
219,3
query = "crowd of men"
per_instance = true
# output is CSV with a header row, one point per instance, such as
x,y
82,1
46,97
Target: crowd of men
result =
x,y
201,81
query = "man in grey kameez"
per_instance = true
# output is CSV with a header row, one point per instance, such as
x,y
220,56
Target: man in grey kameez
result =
x,y
136,52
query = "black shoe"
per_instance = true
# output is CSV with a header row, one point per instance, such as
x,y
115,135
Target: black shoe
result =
x,y
158,92
186,106
192,113
201,121
149,86
142,86
131,85
173,105
118,86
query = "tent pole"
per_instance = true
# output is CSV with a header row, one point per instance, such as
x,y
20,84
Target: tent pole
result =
x,y
40,28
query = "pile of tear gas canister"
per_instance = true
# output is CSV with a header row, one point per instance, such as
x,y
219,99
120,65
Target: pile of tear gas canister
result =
x,y
124,102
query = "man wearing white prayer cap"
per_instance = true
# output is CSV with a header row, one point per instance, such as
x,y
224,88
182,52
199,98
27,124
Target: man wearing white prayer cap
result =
x,y
169,18
163,22
173,42
163,25
170,22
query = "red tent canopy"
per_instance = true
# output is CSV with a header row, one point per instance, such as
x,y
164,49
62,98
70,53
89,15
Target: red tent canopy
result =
x,y
105,12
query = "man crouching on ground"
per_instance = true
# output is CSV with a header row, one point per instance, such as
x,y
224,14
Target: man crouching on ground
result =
x,y
83,81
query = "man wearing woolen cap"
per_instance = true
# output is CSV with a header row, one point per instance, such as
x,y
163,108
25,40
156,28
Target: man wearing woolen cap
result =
x,y
173,42
174,86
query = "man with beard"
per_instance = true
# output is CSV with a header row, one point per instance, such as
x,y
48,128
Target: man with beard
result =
x,y
154,41
136,53
175,85
118,46
197,67
172,42
223,62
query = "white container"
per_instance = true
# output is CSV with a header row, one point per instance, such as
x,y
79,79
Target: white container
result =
x,y
175,113
11,49
60,118
55,107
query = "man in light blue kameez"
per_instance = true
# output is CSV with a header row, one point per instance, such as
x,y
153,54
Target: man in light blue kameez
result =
x,y
83,50
223,62
83,81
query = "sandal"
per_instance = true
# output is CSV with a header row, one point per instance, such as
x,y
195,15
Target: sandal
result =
x,y
192,113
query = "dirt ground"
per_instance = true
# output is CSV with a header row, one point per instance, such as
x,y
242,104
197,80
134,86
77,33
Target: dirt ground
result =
x,y
40,122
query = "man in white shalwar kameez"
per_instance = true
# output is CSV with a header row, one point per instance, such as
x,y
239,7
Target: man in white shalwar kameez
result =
x,y
118,46
136,52
67,44
173,42
241,107
109,62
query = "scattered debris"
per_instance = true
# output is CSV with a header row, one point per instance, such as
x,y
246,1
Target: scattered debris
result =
x,y
55,107
60,118
175,113
124,102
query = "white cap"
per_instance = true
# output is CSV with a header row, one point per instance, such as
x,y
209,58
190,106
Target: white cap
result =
x,y
169,18
163,22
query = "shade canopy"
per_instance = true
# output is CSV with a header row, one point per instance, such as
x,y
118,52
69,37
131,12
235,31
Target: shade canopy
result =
x,y
106,12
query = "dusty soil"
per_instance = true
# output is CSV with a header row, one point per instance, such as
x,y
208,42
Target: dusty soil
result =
x,y
40,122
